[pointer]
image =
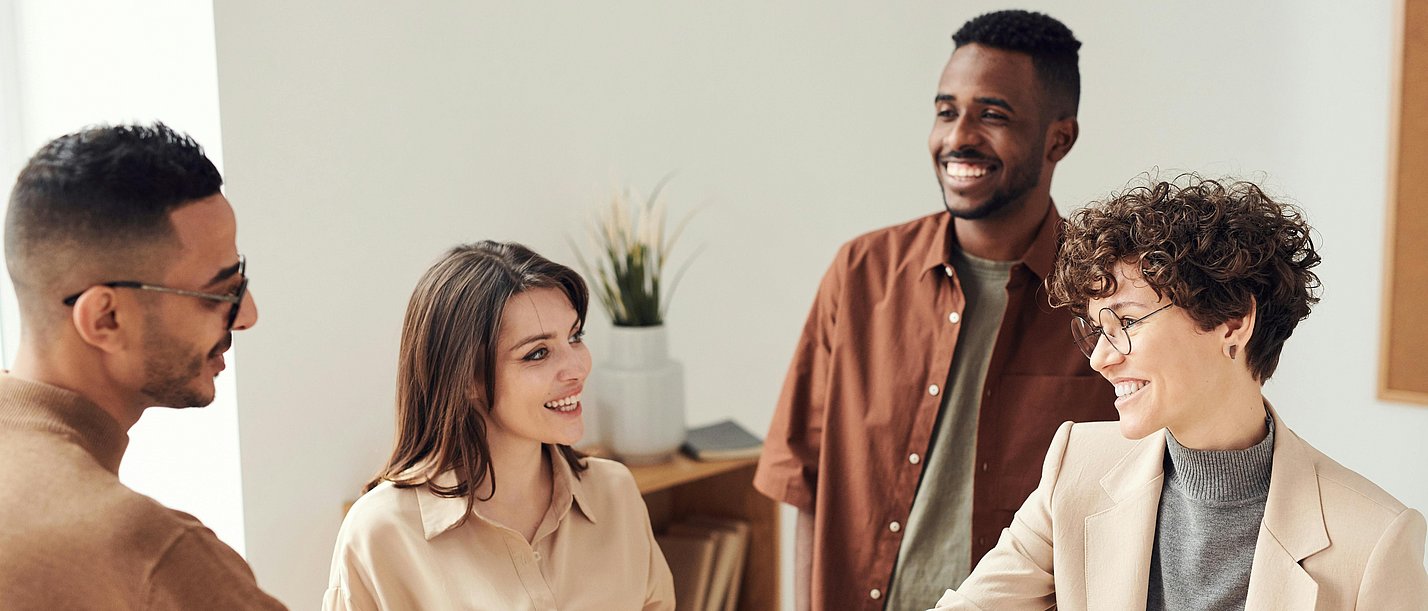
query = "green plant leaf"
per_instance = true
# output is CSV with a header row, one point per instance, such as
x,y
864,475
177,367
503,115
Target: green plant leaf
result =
x,y
627,276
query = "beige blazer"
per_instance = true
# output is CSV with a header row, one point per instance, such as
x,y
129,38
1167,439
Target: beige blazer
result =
x,y
1330,539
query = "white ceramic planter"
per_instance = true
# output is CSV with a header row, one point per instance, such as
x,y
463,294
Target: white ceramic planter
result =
x,y
640,392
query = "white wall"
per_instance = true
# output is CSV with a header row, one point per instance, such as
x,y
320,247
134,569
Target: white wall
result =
x,y
363,137
82,62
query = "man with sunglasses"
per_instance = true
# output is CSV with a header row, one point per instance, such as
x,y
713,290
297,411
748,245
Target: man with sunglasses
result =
x,y
123,254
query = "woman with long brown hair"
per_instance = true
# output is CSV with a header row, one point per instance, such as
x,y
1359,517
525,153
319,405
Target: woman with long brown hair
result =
x,y
483,504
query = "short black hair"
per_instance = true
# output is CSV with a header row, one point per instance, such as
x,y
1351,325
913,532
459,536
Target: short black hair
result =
x,y
1051,45
100,198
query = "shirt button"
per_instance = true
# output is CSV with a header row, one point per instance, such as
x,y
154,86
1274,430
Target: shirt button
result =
x,y
933,390
954,317
537,556
948,270
914,458
984,467
875,594
894,527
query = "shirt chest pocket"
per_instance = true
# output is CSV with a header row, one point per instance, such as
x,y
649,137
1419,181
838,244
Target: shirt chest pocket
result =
x,y
1020,416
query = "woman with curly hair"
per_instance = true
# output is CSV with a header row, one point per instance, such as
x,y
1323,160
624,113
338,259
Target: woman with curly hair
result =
x,y
483,503
1200,497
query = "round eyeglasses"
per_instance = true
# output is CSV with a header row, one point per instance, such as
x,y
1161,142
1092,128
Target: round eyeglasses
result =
x,y
235,298
1114,327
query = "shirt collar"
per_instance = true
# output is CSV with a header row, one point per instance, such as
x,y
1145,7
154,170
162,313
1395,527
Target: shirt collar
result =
x,y
26,404
566,477
1037,258
441,514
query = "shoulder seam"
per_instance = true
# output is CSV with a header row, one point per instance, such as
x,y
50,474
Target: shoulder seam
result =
x,y
187,530
1355,490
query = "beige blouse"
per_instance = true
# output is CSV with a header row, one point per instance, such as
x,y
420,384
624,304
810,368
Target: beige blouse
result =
x,y
400,548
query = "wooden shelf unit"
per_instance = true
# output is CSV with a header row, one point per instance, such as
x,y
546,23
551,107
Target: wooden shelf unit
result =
x,y
684,487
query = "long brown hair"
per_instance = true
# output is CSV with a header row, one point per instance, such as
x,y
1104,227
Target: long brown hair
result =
x,y
449,344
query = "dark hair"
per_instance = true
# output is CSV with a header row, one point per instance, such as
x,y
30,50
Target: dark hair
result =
x,y
99,199
449,341
1214,248
1051,45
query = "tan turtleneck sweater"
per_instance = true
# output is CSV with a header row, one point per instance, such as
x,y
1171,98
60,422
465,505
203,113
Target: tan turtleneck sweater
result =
x,y
73,537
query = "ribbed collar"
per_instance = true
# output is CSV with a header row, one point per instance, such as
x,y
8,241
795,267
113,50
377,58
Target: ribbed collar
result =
x,y
29,405
1220,476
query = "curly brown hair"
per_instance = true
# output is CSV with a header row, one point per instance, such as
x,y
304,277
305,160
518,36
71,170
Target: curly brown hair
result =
x,y
1215,248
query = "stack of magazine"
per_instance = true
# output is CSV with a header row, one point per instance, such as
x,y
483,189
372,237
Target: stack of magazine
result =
x,y
706,555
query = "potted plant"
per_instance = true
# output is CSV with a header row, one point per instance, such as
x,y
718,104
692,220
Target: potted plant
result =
x,y
639,388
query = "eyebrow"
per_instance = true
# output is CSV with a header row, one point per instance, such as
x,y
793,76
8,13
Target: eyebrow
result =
x,y
224,274
987,100
1115,307
540,336
531,339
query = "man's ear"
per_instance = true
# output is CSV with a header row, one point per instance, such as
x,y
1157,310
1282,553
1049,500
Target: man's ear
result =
x,y
97,318
1061,135
1238,332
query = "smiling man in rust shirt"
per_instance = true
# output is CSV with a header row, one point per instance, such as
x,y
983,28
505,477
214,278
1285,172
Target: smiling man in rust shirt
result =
x,y
932,373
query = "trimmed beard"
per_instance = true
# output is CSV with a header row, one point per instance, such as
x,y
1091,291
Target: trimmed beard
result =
x,y
169,371
1023,182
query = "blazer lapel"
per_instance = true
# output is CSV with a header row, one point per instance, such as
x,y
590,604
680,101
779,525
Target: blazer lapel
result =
x,y
1292,530
1120,539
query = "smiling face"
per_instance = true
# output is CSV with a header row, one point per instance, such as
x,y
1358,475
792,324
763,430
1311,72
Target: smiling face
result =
x,y
185,337
541,366
988,142
1175,374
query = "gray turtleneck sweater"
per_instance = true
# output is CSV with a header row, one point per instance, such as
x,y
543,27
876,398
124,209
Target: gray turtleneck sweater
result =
x,y
1211,506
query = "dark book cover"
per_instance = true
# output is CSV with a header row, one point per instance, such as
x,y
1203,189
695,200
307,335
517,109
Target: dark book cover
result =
x,y
722,441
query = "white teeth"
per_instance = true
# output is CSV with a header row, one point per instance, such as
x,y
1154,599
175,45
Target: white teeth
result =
x,y
567,404
964,170
1125,389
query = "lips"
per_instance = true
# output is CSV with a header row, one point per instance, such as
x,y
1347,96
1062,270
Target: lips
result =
x,y
957,169
1127,388
565,404
966,170
222,346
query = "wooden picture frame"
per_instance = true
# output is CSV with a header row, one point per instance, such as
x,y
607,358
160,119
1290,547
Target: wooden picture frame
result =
x,y
1403,361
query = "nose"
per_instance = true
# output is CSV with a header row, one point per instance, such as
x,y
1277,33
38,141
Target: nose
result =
x,y
1104,355
962,134
577,363
247,312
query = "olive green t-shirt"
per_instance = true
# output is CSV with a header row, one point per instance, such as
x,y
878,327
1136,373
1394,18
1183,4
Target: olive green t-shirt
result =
x,y
937,546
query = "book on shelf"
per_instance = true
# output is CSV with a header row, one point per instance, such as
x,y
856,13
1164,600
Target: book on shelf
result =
x,y
721,441
736,534
713,586
691,563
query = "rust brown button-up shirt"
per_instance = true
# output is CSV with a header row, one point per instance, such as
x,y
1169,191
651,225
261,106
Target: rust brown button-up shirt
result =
x,y
862,396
